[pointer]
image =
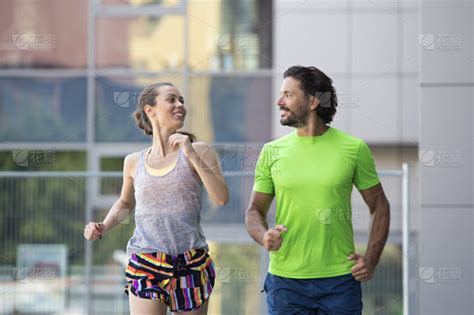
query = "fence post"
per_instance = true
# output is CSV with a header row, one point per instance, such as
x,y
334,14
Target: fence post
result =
x,y
405,238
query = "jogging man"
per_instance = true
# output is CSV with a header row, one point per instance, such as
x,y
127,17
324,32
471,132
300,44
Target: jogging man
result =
x,y
313,265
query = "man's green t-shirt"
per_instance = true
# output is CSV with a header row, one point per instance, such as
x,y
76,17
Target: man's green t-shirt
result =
x,y
312,178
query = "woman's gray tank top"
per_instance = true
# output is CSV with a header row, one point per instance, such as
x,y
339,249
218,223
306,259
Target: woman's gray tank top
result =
x,y
167,210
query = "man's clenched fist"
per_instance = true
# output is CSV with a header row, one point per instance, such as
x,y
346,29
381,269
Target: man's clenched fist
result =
x,y
272,238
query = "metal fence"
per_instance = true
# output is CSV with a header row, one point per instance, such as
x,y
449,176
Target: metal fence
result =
x,y
47,266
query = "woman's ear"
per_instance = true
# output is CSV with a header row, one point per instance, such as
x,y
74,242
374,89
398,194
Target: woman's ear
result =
x,y
149,110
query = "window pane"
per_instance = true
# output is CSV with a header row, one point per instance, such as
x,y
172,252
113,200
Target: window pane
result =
x,y
238,162
42,160
43,33
116,100
230,109
42,110
140,43
230,35
111,185
220,108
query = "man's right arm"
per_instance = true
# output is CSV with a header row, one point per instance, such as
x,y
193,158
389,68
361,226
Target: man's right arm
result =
x,y
257,225
256,215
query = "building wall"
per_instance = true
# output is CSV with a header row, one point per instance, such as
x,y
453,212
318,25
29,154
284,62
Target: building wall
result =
x,y
446,92
370,52
64,20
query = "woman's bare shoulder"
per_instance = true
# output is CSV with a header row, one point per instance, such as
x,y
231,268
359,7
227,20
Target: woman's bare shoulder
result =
x,y
130,162
132,157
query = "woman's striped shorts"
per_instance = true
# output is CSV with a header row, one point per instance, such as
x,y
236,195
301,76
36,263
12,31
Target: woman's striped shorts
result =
x,y
183,282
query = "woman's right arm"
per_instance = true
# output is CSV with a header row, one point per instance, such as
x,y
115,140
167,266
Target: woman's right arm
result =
x,y
122,207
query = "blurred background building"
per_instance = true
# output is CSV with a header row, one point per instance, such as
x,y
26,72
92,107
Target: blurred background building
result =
x,y
70,75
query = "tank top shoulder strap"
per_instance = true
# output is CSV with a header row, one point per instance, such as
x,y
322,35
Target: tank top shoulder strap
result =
x,y
181,157
185,166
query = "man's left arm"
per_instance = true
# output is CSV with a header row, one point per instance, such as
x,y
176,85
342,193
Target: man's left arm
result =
x,y
379,208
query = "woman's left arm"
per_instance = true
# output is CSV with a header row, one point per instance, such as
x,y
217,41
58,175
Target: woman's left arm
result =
x,y
205,162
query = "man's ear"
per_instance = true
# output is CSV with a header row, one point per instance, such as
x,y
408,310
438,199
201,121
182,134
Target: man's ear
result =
x,y
314,102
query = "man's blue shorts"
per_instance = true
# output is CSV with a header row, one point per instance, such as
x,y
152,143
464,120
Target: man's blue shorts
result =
x,y
341,295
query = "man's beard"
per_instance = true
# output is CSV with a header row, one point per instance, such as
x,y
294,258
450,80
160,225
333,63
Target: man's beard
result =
x,y
297,118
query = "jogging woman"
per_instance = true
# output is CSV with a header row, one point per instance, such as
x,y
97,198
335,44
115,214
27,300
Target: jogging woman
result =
x,y
169,264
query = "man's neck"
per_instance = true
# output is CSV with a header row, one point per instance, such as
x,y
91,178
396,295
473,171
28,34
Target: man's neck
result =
x,y
311,129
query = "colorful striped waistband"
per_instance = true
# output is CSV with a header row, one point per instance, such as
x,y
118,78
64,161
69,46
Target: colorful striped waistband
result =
x,y
185,258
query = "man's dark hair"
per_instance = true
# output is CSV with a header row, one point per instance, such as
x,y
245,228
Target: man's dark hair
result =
x,y
314,82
